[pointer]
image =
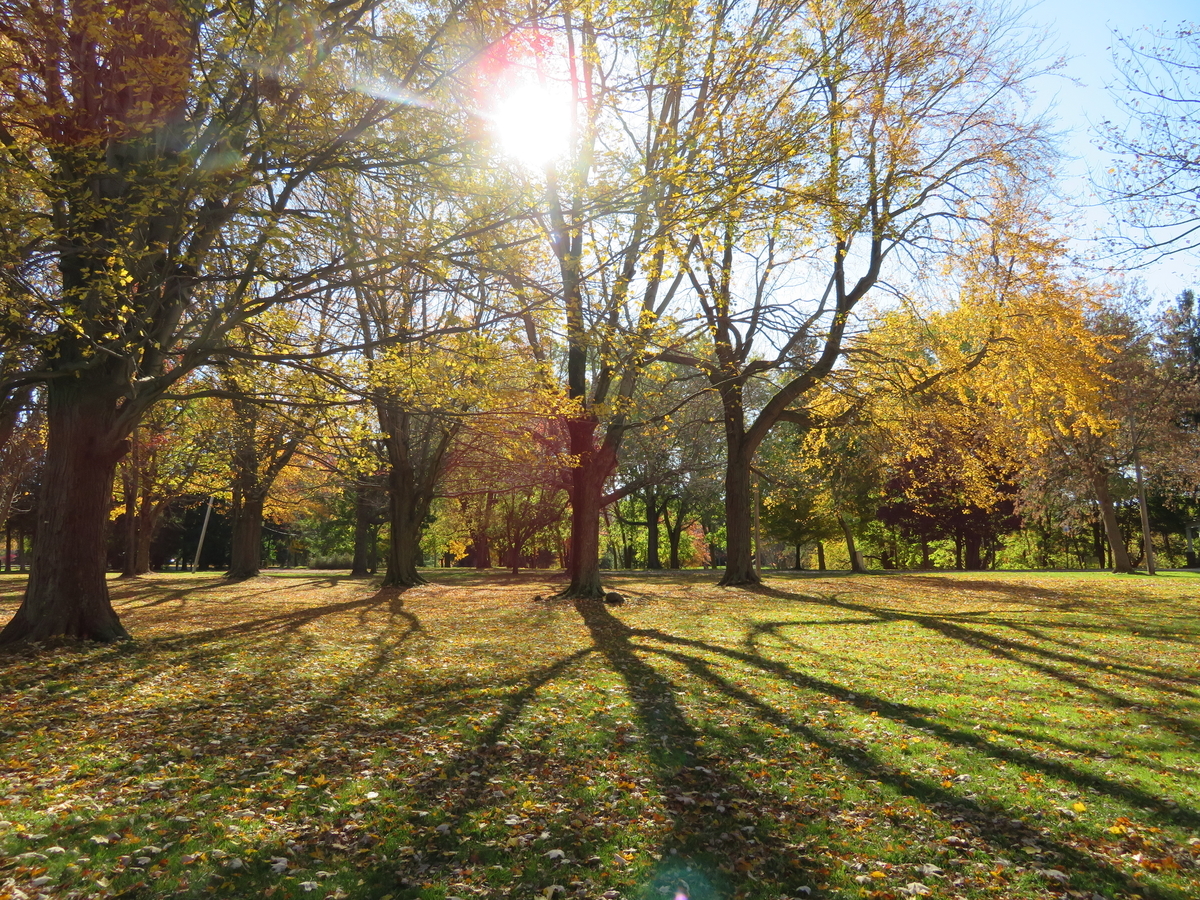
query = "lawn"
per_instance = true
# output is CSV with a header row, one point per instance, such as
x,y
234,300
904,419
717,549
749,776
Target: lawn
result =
x,y
885,736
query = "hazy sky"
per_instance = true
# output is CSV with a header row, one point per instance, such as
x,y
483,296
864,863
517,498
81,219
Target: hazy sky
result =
x,y
1081,31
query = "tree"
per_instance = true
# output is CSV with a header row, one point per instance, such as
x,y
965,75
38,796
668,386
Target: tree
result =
x,y
911,119
174,453
267,428
648,85
1156,174
167,150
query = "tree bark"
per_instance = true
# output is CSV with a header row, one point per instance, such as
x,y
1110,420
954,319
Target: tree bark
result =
x,y
67,594
739,559
820,556
1116,541
856,563
412,479
653,560
973,544
130,521
148,517
405,515
592,468
675,530
245,552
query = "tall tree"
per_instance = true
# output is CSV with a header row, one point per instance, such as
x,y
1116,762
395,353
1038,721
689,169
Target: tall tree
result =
x,y
649,86
169,149
912,111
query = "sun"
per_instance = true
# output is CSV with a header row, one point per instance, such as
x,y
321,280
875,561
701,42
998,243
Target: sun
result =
x,y
532,123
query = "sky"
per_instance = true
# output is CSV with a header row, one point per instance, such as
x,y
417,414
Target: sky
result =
x,y
1081,31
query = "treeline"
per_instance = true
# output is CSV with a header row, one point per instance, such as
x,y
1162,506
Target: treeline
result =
x,y
283,256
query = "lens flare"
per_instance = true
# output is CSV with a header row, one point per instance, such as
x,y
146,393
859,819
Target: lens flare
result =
x,y
532,123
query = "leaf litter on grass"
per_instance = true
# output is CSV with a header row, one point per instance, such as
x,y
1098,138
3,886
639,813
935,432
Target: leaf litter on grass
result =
x,y
932,735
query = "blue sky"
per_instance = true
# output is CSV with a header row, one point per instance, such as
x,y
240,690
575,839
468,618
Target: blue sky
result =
x,y
1082,33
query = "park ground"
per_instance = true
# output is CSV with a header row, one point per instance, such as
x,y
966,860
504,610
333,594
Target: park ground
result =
x,y
306,735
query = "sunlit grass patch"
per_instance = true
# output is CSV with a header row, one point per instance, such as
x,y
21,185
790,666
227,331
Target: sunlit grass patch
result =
x,y
957,735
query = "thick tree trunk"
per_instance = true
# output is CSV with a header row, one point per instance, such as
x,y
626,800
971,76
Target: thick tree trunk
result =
x,y
129,564
856,563
405,515
592,468
820,556
739,560
404,550
1116,541
245,552
362,531
587,488
67,593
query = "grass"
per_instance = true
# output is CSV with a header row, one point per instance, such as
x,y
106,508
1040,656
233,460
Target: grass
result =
x,y
887,736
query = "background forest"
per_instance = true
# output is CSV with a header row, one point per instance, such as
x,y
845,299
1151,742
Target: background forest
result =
x,y
378,286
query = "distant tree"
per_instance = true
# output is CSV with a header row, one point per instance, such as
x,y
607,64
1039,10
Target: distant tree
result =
x,y
175,452
929,500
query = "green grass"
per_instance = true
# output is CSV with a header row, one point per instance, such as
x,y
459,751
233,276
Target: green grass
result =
x,y
887,736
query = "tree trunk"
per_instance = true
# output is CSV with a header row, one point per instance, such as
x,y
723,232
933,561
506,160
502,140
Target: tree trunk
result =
x,y
245,553
799,559
362,531
1116,541
856,563
1098,544
130,521
652,514
739,560
481,540
973,544
675,530
820,556
373,550
587,488
67,594
148,517
405,516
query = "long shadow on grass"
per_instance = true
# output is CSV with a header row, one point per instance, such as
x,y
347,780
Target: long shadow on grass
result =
x,y
663,721
260,692
1000,831
705,833
915,717
1043,662
711,843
